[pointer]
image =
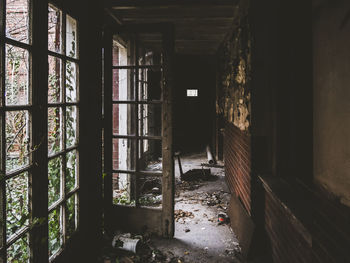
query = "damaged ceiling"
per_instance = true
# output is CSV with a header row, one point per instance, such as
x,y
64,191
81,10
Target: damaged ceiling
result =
x,y
200,25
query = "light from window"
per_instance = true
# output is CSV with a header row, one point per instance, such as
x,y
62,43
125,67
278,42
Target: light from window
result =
x,y
192,93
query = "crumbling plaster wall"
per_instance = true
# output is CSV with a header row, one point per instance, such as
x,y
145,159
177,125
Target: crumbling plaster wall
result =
x,y
233,100
331,42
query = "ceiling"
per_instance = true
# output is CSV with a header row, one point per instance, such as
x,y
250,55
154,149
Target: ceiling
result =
x,y
200,25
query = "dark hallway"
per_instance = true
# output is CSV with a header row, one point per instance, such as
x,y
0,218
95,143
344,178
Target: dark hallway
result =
x,y
174,131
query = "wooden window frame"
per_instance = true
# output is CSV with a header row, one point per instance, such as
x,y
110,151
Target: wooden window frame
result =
x,y
61,202
37,108
137,137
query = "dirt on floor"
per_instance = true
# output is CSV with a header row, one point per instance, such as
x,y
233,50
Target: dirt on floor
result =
x,y
202,232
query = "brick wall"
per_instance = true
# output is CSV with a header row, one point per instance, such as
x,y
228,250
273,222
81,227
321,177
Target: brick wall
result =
x,y
304,224
237,155
289,240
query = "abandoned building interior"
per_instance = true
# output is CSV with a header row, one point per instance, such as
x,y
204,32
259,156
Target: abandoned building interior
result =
x,y
206,130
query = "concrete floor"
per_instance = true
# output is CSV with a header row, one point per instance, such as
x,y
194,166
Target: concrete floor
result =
x,y
199,238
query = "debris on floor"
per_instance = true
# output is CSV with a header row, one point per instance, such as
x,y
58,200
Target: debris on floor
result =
x,y
131,248
180,215
198,174
200,236
212,165
223,218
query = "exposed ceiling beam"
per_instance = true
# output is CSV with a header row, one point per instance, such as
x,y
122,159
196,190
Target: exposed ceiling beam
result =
x,y
209,20
113,16
141,4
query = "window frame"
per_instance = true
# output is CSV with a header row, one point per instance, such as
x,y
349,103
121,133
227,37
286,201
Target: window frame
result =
x,y
25,230
63,105
37,108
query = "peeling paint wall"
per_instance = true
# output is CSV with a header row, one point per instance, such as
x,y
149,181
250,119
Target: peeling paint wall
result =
x,y
233,101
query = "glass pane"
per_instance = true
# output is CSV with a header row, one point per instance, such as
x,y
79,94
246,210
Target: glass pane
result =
x,y
122,189
55,231
150,84
17,140
150,191
55,80
19,252
55,171
123,150
16,81
71,82
150,155
55,29
120,54
16,203
124,119
71,207
55,119
71,37
17,20
123,84
71,126
150,119
71,170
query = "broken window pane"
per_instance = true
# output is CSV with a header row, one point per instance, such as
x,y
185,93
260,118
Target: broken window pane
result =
x,y
19,251
123,150
150,191
71,206
55,118
55,171
55,231
71,170
55,29
17,76
150,119
150,155
17,204
123,84
122,189
124,119
71,37
17,20
71,81
55,80
17,140
71,126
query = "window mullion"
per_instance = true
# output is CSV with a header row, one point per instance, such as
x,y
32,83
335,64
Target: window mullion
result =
x,y
64,128
2,127
39,95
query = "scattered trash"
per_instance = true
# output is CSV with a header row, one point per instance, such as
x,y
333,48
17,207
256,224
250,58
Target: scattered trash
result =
x,y
125,242
223,218
187,230
180,214
198,174
142,252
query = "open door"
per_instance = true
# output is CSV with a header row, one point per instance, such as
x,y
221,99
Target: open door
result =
x,y
138,161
